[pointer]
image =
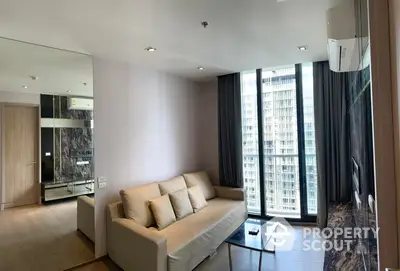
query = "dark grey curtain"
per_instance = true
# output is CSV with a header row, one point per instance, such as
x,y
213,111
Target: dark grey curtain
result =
x,y
230,131
332,138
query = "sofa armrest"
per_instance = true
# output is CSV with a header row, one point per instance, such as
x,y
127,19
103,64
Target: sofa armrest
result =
x,y
85,216
134,247
230,193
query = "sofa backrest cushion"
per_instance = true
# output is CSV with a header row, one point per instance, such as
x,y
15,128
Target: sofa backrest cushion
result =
x,y
136,203
172,185
201,179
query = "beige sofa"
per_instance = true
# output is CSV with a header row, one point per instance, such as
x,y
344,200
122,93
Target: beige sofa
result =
x,y
181,246
85,216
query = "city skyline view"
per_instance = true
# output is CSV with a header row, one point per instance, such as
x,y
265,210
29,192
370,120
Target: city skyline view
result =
x,y
280,142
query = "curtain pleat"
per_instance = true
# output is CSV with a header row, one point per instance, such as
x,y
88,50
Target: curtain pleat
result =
x,y
332,138
230,131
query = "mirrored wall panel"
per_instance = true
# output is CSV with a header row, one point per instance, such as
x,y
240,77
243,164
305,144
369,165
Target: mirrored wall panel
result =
x,y
66,146
46,145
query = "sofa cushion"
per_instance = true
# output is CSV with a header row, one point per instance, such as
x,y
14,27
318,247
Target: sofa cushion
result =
x,y
136,203
162,211
196,198
192,239
200,178
181,203
172,185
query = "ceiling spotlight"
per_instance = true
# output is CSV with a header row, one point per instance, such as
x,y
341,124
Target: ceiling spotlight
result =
x,y
204,24
200,68
34,77
69,91
25,86
302,48
150,49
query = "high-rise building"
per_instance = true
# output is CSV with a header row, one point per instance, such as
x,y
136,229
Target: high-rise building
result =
x,y
280,143
309,138
251,172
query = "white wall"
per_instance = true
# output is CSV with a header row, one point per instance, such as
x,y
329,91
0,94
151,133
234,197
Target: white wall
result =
x,y
146,129
19,98
208,128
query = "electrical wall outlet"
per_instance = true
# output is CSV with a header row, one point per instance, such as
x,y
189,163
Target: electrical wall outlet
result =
x,y
102,182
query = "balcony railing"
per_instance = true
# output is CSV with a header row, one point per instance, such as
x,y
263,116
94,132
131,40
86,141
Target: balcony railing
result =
x,y
278,176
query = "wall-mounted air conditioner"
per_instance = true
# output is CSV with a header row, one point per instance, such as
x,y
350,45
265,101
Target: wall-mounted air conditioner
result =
x,y
80,103
347,30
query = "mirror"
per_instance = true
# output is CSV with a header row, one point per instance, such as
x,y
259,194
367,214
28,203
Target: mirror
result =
x,y
47,183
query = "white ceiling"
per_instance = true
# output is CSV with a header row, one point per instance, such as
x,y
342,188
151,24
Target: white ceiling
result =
x,y
58,71
242,34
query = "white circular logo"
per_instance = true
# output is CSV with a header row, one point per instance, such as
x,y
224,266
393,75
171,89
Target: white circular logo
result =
x,y
277,234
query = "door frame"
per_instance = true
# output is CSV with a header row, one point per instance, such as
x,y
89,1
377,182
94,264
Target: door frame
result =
x,y
2,144
384,134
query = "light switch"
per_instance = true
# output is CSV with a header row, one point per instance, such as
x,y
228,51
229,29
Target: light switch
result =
x,y
102,182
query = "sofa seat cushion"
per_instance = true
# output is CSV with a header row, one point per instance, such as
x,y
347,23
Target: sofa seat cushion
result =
x,y
192,239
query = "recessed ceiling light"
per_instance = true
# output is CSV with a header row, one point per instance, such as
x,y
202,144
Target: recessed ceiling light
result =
x,y
34,77
25,86
200,68
150,49
204,24
302,48
69,91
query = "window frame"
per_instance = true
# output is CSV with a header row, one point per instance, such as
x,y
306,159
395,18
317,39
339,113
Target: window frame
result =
x,y
304,215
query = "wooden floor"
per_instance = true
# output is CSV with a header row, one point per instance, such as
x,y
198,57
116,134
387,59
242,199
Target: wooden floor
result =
x,y
245,260
43,238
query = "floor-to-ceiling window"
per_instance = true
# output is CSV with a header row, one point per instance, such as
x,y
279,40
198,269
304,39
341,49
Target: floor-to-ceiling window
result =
x,y
281,167
279,164
251,163
309,138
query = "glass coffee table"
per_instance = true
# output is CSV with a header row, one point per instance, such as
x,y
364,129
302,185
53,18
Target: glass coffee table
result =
x,y
259,242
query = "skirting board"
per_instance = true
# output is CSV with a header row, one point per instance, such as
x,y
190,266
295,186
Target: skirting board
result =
x,y
86,263
7,205
10,205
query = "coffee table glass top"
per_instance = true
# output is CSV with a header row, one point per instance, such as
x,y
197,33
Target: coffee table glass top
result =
x,y
242,238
